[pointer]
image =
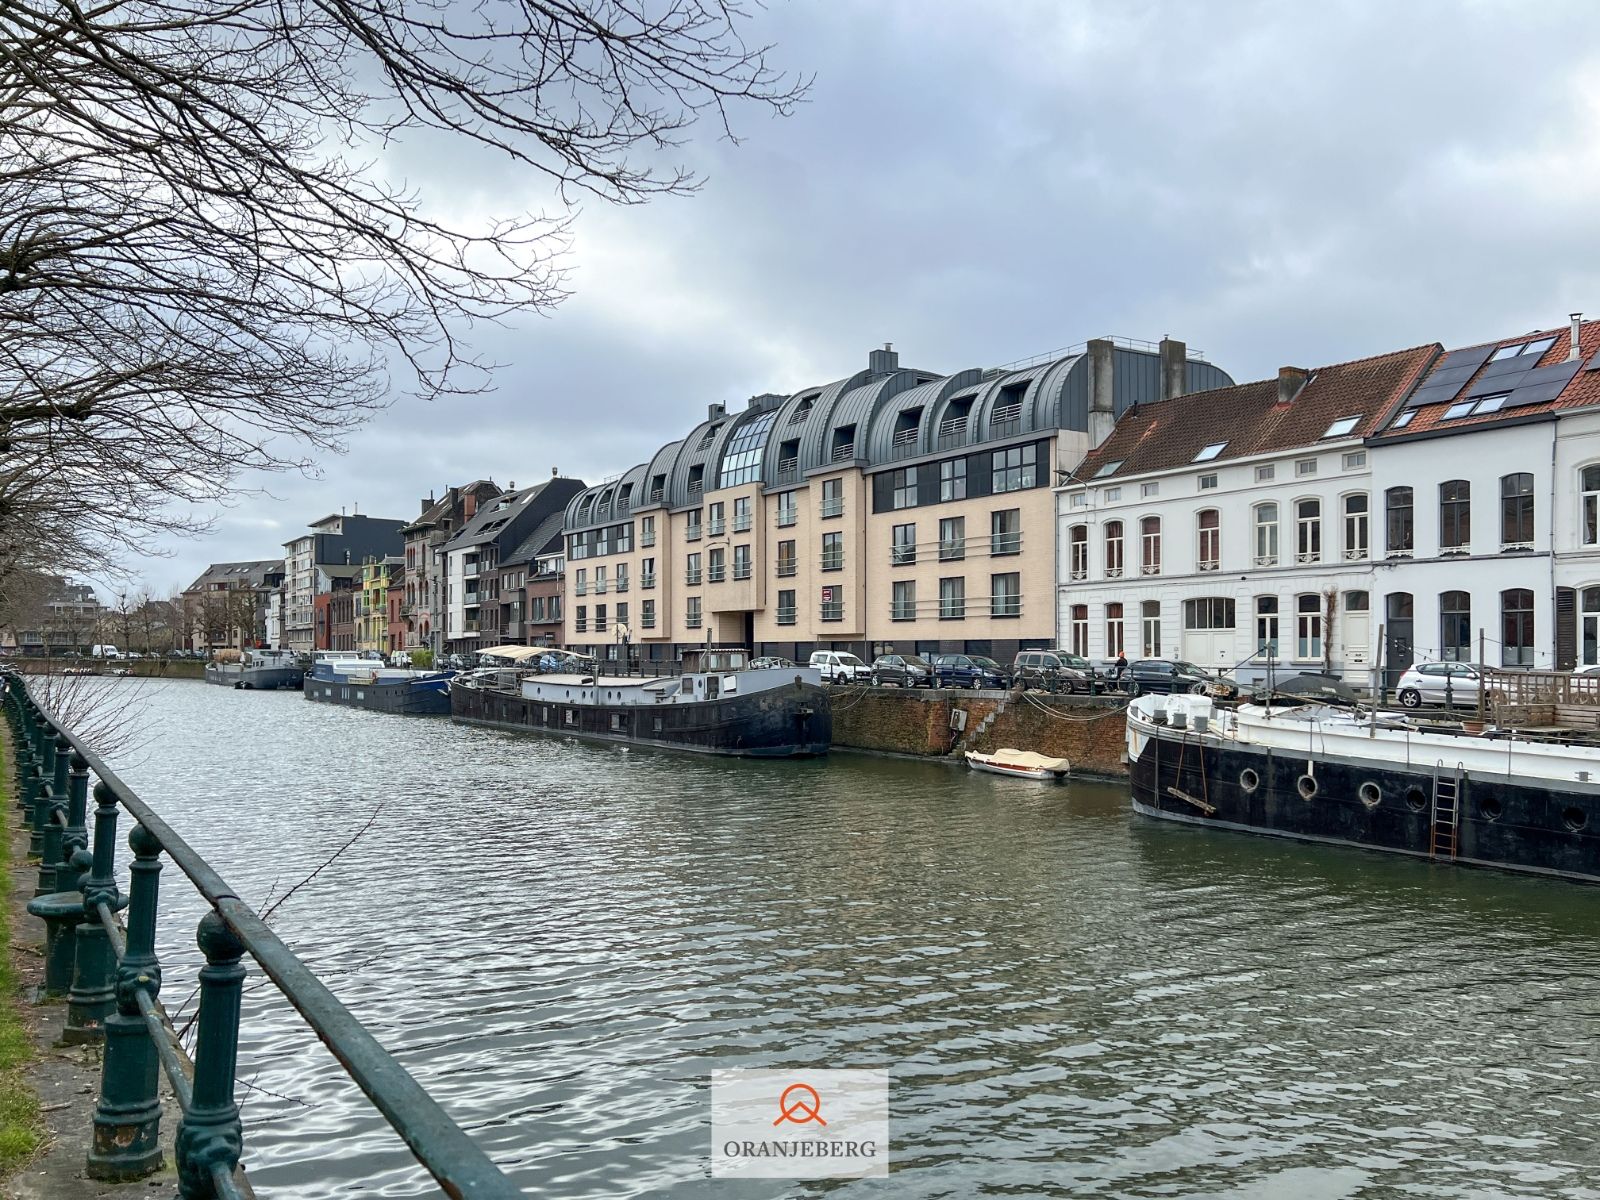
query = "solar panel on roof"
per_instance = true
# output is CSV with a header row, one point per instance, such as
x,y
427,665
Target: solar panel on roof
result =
x,y
1594,363
1447,377
1542,384
1504,382
1473,356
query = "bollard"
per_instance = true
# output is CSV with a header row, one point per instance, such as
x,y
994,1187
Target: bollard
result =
x,y
51,850
127,1120
210,1134
93,996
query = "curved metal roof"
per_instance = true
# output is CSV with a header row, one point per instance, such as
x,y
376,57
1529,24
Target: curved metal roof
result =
x,y
931,397
662,465
819,425
699,451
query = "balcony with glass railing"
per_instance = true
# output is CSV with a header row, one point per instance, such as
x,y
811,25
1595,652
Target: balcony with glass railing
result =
x,y
741,522
833,506
786,615
952,433
716,526
788,470
741,570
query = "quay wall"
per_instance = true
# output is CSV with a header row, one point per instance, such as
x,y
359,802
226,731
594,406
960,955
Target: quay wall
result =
x,y
1088,733
164,668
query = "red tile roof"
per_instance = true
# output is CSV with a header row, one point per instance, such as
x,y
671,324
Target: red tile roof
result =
x,y
1167,434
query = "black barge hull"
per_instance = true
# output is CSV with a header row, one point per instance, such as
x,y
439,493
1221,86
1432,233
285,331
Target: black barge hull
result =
x,y
404,698
1507,823
794,721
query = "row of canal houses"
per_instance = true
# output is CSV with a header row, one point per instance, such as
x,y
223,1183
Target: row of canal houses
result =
x,y
1114,497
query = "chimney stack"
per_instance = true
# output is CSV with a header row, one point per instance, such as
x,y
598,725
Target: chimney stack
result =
x,y
881,362
511,485
1577,328
715,411
1102,409
1290,381
1174,364
555,472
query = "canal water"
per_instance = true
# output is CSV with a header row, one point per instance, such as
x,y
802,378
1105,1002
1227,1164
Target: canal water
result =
x,y
562,941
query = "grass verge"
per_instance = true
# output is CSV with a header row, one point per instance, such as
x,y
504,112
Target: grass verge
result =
x,y
21,1132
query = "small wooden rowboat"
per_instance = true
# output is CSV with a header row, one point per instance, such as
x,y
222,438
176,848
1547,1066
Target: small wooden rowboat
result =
x,y
1020,764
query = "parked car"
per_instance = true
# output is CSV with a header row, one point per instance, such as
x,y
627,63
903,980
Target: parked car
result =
x,y
1438,683
1165,675
1052,670
968,671
839,666
903,670
770,663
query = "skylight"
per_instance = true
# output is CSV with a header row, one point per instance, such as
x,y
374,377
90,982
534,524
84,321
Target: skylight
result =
x,y
1343,426
1476,408
1210,452
1109,469
1517,349
1456,411
1403,419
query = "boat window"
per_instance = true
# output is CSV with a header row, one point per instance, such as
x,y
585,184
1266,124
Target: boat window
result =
x,y
711,687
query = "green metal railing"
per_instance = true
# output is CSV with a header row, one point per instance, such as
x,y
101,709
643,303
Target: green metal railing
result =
x,y
110,976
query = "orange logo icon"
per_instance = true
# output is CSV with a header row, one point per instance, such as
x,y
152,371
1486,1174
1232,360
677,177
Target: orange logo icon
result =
x,y
800,1104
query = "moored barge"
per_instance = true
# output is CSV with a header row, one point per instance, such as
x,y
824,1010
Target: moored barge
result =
x,y
1321,773
361,683
717,706
255,670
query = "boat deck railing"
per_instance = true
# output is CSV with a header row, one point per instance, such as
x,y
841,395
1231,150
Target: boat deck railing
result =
x,y
110,975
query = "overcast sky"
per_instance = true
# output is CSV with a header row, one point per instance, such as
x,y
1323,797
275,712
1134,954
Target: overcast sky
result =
x,y
1272,183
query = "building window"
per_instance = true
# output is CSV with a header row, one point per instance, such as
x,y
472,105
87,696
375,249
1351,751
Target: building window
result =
x,y
1080,630
833,604
1265,473
1005,595
1401,531
903,601
1207,613
786,608
1455,516
1005,531
904,484
905,546
1078,552
833,497
599,581
788,510
1210,528
1113,495
1150,546
953,480
580,621
1516,511
691,530
716,564
647,531
1149,489
580,583
952,539
715,523
1208,482
1114,641
1308,626
786,560
647,614
1589,513
599,618
691,572
1304,467
1150,627
691,613
1308,531
952,598
622,577
1113,549
741,514
1013,469
833,552
1516,626
741,562
1355,526
1267,626
1591,626
1266,522
647,573
1355,460
1455,627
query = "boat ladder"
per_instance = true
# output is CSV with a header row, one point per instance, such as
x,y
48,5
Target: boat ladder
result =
x,y
1446,823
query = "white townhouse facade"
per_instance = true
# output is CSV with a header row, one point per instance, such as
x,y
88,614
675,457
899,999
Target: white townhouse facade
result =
x,y
1233,528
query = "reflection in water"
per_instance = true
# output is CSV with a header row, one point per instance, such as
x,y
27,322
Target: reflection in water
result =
x,y
561,941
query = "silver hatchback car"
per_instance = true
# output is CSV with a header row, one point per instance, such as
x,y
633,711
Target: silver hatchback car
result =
x,y
1438,683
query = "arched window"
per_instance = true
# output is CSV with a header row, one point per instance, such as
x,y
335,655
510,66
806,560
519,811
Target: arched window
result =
x,y
1210,529
1308,531
1113,549
1516,624
1589,505
1078,552
1355,526
1150,546
1401,539
1266,522
1455,627
1267,626
1308,626
1080,630
1516,511
1114,641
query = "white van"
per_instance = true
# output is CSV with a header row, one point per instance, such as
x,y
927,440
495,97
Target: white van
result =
x,y
839,666
104,652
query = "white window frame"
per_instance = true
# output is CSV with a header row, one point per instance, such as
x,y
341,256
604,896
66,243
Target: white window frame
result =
x,y
1264,534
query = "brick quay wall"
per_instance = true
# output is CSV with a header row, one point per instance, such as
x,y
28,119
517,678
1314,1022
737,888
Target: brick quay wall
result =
x,y
1087,732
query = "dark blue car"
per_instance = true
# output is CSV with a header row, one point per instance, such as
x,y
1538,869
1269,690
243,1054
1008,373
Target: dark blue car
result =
x,y
968,671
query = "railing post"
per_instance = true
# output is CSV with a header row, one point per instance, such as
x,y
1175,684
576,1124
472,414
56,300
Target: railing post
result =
x,y
76,835
93,996
127,1121
50,850
210,1135
44,767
